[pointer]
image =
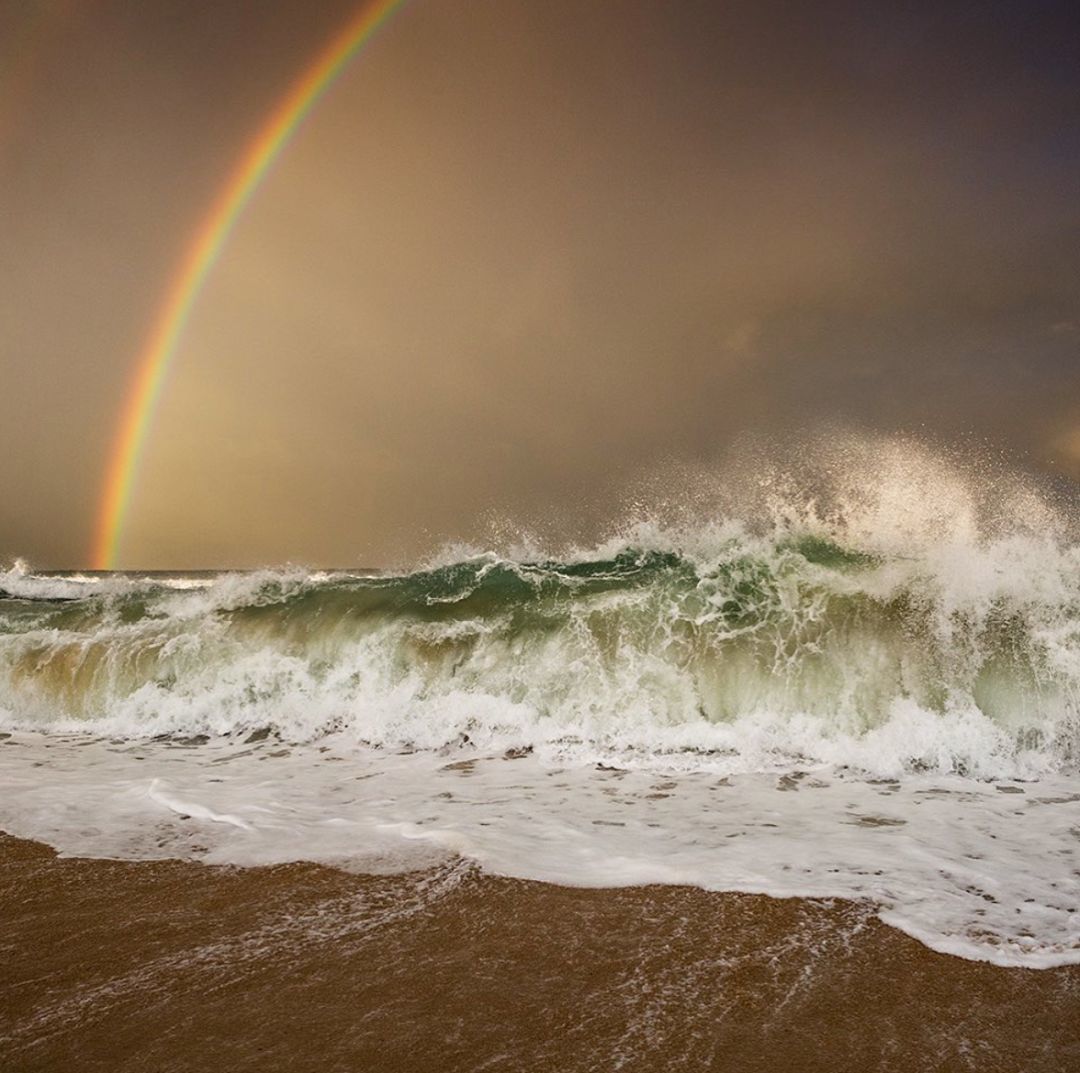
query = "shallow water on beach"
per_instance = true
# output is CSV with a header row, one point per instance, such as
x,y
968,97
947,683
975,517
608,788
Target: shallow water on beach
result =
x,y
982,869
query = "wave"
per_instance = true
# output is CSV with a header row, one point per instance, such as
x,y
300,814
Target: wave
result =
x,y
573,715
724,640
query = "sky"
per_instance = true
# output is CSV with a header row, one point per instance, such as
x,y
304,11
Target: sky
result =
x,y
521,255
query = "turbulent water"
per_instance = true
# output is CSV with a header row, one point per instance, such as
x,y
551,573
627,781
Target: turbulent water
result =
x,y
806,706
772,647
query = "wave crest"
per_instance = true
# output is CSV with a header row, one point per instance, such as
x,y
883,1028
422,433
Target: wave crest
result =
x,y
793,640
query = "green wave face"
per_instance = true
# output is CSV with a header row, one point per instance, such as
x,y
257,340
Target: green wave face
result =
x,y
607,646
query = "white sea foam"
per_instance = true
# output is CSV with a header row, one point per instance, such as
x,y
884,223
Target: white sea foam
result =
x,y
978,869
22,582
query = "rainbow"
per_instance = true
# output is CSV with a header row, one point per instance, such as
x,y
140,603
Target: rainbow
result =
x,y
154,361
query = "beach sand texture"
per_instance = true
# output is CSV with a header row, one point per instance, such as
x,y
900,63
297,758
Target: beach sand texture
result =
x,y
176,966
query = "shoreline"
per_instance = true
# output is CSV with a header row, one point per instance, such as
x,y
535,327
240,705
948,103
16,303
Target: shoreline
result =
x,y
177,965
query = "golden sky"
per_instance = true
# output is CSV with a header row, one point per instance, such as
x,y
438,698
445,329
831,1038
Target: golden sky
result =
x,y
522,254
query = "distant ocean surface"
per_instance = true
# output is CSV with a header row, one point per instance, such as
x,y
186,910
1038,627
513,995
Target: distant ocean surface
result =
x,y
888,715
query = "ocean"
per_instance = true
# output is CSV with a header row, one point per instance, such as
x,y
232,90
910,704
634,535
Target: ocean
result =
x,y
879,727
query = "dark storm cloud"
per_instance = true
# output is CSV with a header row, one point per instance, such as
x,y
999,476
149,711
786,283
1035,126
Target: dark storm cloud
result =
x,y
524,251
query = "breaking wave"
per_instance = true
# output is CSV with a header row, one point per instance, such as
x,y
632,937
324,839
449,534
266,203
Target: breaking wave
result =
x,y
863,685
881,631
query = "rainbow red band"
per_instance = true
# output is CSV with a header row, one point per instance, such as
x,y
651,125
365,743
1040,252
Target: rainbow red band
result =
x,y
155,360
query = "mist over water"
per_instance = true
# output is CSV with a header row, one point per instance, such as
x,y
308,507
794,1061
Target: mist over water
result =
x,y
878,620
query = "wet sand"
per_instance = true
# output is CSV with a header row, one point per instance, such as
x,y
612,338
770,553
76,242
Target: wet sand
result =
x,y
174,966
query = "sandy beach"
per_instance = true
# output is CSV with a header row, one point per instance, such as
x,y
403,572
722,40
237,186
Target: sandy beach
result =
x,y
170,966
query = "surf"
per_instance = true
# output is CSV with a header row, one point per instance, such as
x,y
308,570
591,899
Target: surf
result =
x,y
761,646
860,682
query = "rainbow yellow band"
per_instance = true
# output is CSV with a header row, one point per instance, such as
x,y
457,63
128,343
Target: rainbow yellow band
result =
x,y
152,366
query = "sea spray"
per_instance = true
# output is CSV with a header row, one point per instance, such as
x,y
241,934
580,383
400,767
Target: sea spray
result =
x,y
860,683
962,658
